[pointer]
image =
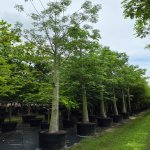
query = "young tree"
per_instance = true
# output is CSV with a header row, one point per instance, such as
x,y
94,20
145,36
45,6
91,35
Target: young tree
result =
x,y
102,61
81,75
111,74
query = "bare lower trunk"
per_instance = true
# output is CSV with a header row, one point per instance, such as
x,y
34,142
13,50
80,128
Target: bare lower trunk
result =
x,y
84,105
102,106
106,108
115,104
129,106
48,115
29,109
36,110
68,115
129,100
54,122
124,110
22,108
10,112
115,108
91,109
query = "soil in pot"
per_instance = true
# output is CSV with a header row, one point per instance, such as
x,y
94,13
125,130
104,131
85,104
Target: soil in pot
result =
x,y
117,118
27,118
52,141
86,129
104,122
9,126
36,122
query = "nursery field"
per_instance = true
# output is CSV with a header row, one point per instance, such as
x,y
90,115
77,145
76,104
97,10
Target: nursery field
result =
x,y
61,87
133,135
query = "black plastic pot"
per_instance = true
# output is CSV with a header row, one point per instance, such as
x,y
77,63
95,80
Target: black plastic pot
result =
x,y
42,110
1,121
117,118
4,114
52,141
9,126
79,119
86,129
15,111
68,123
104,122
36,122
125,115
44,125
27,118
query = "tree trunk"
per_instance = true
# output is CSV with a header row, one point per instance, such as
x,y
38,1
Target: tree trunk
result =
x,y
49,116
124,110
129,101
84,105
68,113
115,104
29,109
102,106
36,109
54,122
10,111
106,108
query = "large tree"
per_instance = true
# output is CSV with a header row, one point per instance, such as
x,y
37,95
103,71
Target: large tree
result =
x,y
50,35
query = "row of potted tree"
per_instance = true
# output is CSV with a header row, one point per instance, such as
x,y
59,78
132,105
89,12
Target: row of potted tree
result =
x,y
61,55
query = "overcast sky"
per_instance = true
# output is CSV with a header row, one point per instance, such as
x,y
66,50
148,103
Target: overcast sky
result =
x,y
116,32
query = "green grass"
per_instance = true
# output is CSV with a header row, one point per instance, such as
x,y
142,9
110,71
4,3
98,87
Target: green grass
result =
x,y
134,135
19,118
14,118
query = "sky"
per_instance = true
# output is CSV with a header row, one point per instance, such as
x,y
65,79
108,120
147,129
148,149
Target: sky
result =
x,y
116,32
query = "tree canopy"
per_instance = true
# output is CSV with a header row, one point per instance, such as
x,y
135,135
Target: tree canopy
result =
x,y
140,11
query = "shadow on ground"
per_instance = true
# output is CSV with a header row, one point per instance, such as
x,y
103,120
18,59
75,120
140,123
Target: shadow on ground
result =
x,y
26,138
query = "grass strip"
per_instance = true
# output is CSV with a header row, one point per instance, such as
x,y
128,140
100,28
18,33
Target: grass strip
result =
x,y
133,135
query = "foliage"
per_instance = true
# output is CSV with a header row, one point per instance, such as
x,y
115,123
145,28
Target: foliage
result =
x,y
10,82
140,11
52,31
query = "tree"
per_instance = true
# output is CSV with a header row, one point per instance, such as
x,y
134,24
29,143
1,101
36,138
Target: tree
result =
x,y
9,39
83,41
4,77
50,35
139,87
140,11
80,73
19,74
131,75
115,60
102,61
